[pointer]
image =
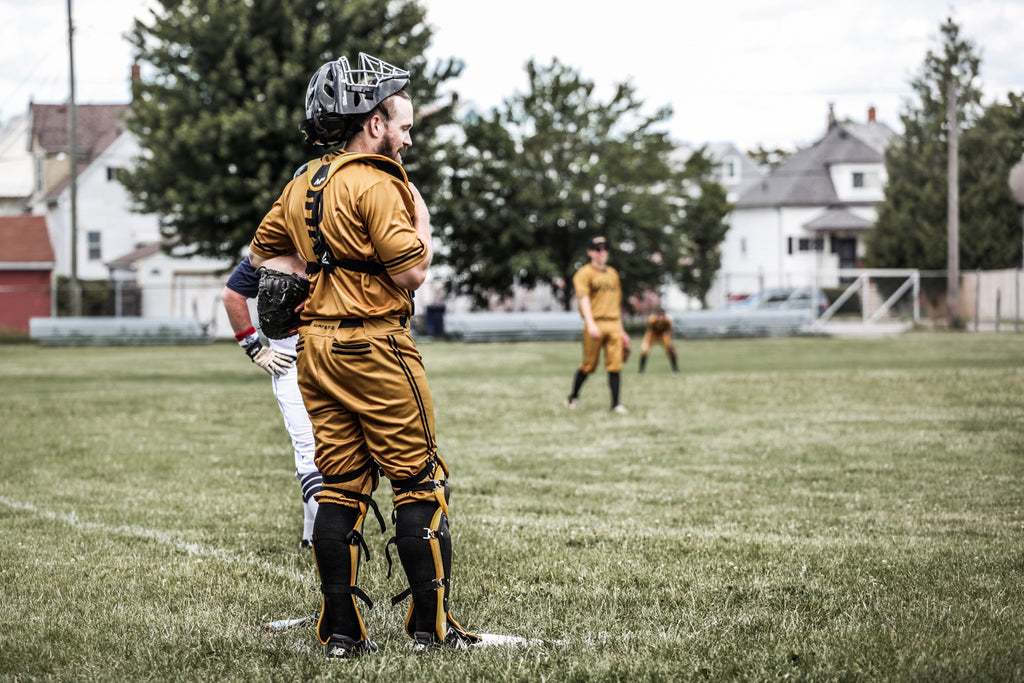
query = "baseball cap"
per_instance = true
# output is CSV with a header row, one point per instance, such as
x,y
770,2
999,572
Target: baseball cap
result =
x,y
597,243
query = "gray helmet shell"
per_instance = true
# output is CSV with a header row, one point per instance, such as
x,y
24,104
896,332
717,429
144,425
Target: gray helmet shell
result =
x,y
338,96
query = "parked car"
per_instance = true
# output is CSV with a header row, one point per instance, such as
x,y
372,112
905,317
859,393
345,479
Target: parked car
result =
x,y
789,298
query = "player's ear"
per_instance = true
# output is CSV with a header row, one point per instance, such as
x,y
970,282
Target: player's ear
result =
x,y
375,125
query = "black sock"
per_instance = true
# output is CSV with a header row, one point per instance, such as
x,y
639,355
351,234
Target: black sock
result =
x,y
613,384
577,383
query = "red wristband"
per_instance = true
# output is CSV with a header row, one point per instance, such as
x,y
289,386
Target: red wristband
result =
x,y
242,335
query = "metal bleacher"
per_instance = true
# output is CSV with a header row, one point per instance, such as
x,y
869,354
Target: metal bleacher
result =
x,y
560,325
499,326
742,323
111,331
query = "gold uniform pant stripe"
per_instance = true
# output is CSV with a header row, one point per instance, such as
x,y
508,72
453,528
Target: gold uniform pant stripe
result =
x,y
400,359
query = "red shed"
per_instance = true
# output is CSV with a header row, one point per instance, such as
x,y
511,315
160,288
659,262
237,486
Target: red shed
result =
x,y
26,265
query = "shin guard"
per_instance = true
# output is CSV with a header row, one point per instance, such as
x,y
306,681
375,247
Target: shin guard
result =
x,y
424,544
337,541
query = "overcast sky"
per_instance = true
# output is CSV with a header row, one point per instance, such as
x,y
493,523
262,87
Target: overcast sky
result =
x,y
746,71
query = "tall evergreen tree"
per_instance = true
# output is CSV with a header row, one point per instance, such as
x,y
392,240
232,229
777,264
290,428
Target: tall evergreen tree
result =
x,y
912,226
990,226
222,95
534,180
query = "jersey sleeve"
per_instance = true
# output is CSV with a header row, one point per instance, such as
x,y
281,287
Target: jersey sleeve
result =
x,y
581,283
244,281
272,238
388,207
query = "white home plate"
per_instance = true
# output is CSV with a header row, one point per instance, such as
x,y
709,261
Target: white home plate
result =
x,y
498,639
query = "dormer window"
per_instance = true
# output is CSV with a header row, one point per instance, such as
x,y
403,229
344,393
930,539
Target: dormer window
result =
x,y
858,179
730,171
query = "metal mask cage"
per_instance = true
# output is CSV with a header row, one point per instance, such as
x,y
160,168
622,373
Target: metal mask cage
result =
x,y
371,71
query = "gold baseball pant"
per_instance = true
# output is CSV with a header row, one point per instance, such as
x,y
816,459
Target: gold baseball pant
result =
x,y
650,339
610,340
366,392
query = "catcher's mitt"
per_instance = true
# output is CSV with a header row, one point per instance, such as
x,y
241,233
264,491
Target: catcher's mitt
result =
x,y
279,295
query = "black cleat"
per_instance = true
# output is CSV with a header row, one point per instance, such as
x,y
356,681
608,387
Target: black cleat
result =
x,y
343,647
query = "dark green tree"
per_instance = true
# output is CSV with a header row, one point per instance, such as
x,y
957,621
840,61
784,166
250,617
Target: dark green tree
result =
x,y
222,95
703,227
911,231
534,180
990,221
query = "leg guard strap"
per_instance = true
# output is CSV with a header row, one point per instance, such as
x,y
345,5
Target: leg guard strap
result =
x,y
347,590
433,477
331,482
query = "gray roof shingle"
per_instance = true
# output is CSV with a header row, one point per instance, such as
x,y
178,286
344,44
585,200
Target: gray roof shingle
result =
x,y
804,179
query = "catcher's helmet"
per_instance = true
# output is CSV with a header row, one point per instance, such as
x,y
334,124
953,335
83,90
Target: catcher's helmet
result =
x,y
339,96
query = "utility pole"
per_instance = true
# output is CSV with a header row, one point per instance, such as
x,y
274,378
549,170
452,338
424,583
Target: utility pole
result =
x,y
76,287
953,215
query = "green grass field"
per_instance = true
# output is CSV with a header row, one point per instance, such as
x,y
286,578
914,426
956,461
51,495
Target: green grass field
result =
x,y
808,509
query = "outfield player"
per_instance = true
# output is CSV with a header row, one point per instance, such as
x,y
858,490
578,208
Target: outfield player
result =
x,y
364,233
599,297
659,331
278,360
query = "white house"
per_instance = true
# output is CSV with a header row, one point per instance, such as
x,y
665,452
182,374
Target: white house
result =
x,y
737,171
114,243
16,165
806,219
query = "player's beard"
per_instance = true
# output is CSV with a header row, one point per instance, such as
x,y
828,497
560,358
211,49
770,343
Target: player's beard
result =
x,y
387,149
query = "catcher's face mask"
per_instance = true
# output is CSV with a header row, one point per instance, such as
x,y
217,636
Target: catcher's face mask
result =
x,y
337,95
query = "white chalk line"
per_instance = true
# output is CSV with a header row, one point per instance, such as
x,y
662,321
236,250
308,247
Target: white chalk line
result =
x,y
164,538
196,549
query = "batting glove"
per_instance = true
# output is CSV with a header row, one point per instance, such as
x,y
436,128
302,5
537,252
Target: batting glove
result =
x,y
276,364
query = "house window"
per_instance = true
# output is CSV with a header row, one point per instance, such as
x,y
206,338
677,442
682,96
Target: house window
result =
x,y
858,179
806,244
812,244
112,173
93,240
730,171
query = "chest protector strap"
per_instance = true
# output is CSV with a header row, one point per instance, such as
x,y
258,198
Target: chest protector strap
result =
x,y
316,181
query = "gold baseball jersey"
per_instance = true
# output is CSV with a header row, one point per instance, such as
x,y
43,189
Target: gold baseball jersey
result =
x,y
603,289
658,330
378,205
658,326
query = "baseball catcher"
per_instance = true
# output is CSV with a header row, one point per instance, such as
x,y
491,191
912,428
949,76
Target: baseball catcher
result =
x,y
364,232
